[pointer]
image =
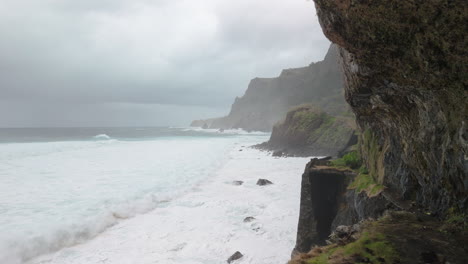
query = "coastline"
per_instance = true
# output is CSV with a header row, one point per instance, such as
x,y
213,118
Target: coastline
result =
x,y
206,225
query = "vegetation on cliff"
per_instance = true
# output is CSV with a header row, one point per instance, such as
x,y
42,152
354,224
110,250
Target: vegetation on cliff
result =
x,y
405,65
309,131
398,237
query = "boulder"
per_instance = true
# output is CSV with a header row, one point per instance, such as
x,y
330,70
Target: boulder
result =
x,y
277,153
263,182
249,219
234,257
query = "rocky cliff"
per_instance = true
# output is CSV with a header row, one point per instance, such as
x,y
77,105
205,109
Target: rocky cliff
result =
x,y
309,131
267,100
405,65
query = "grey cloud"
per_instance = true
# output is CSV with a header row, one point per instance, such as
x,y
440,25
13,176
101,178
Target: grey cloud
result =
x,y
198,54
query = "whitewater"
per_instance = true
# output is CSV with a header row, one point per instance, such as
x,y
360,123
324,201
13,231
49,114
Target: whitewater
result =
x,y
165,198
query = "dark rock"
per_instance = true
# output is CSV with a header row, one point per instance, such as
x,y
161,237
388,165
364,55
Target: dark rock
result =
x,y
241,150
326,203
414,132
249,219
237,183
320,161
277,153
345,234
235,257
263,182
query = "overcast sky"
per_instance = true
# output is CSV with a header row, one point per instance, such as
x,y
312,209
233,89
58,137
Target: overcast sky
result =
x,y
144,62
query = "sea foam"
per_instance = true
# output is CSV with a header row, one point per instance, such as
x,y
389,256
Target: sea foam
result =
x,y
60,194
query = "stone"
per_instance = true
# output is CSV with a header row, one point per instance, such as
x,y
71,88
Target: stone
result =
x,y
238,183
249,219
277,153
263,182
235,257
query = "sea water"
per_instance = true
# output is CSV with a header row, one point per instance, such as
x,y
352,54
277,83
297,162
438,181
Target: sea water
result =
x,y
60,189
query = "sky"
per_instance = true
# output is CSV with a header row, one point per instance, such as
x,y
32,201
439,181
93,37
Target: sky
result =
x,y
144,62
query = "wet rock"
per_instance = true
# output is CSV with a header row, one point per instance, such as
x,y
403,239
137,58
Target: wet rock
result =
x,y
249,219
278,153
263,182
237,183
234,257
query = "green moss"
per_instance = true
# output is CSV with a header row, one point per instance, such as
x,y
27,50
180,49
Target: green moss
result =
x,y
322,258
373,154
364,182
305,119
351,160
374,247
397,237
455,222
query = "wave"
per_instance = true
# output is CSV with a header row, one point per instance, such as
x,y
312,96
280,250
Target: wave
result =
x,y
20,250
233,131
102,137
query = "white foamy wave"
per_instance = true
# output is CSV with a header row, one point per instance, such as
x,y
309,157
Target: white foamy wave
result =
x,y
102,137
186,227
59,194
17,250
234,131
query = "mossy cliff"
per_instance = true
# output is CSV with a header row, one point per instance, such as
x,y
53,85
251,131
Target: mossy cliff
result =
x,y
309,131
267,100
406,69
397,237
406,78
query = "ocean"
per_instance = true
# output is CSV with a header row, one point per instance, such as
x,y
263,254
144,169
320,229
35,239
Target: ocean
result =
x,y
145,195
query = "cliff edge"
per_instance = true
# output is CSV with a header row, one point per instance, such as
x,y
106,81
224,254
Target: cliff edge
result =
x,y
267,100
405,65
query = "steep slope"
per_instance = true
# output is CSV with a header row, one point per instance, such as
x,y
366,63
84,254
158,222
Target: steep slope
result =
x,y
405,65
308,131
409,93
267,100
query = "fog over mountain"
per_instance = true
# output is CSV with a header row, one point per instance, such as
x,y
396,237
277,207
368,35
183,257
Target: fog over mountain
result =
x,y
133,63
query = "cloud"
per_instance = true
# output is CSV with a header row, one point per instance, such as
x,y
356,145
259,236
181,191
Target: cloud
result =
x,y
113,52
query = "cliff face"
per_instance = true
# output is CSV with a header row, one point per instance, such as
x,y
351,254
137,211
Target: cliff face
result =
x,y
267,100
308,131
405,64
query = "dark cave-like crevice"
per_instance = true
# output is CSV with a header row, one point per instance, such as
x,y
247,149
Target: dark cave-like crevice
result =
x,y
327,187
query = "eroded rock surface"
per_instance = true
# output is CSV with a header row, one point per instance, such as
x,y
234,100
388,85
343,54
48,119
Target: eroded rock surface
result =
x,y
405,64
